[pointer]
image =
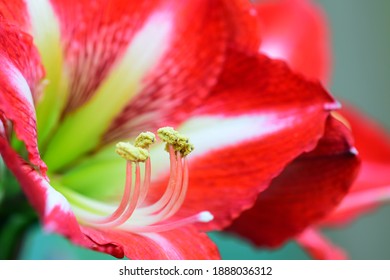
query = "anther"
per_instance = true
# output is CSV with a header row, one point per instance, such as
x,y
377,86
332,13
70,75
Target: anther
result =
x,y
145,139
179,142
131,152
168,135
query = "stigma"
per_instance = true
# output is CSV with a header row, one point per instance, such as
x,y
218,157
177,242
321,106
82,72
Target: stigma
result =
x,y
133,213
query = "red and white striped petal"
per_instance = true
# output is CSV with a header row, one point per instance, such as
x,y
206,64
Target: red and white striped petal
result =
x,y
296,32
189,70
44,26
318,247
184,76
259,118
20,77
37,18
41,195
117,61
305,192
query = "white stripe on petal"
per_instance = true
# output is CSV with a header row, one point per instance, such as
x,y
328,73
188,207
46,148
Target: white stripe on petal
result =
x,y
55,199
45,26
125,80
150,43
215,132
47,37
17,81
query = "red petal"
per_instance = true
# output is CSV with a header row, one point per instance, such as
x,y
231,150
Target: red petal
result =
x,y
15,13
21,73
357,202
275,116
317,246
296,31
244,24
185,74
372,141
31,182
18,50
372,185
307,190
182,243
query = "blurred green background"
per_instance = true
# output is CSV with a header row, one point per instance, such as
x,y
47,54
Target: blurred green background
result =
x,y
361,67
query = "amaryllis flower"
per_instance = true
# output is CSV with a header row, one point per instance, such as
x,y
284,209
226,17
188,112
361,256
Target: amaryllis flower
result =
x,y
296,31
117,71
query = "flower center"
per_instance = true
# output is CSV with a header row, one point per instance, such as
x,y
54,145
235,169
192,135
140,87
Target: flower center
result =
x,y
131,214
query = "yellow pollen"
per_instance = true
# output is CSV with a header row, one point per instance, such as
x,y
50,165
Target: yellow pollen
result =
x,y
145,139
179,142
168,134
187,149
131,152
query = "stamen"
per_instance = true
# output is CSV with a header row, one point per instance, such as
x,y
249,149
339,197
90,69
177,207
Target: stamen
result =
x,y
146,184
131,153
130,214
157,206
162,213
131,193
168,135
145,139
133,202
202,217
179,202
126,196
179,142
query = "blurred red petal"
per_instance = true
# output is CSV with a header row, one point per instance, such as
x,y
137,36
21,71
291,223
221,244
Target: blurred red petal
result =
x,y
307,190
318,247
371,139
372,186
296,31
244,24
